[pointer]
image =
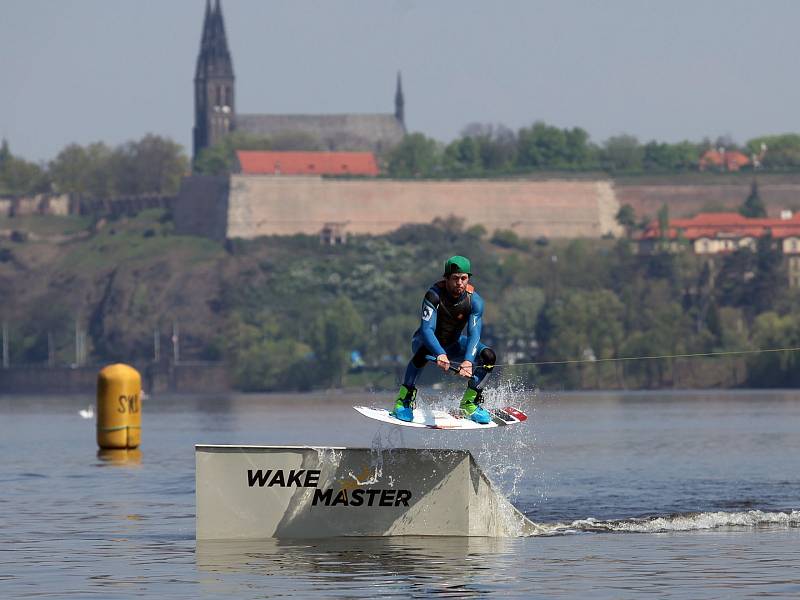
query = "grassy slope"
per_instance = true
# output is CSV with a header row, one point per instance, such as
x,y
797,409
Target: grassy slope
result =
x,y
120,282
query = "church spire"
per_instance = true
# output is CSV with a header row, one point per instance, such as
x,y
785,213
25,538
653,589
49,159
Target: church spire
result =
x,y
221,40
213,82
399,102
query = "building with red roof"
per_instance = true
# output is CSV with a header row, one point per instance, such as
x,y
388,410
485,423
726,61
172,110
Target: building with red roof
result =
x,y
722,233
257,162
714,233
723,160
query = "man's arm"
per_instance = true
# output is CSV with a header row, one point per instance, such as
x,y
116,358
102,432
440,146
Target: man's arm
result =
x,y
428,323
474,328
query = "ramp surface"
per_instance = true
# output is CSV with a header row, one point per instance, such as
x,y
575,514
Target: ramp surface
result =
x,y
257,492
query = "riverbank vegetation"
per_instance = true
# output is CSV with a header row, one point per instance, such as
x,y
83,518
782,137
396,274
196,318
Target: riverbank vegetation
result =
x,y
287,313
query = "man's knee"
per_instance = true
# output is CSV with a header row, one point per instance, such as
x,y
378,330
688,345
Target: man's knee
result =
x,y
487,357
419,360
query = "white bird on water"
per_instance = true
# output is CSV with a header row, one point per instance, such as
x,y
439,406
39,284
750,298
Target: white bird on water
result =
x,y
87,413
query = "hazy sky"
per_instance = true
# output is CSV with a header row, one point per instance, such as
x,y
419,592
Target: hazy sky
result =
x,y
113,70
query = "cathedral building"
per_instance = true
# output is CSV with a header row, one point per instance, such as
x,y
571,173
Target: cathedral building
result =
x,y
216,116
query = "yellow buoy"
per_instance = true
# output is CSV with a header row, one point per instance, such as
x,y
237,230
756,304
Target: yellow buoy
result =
x,y
119,409
120,456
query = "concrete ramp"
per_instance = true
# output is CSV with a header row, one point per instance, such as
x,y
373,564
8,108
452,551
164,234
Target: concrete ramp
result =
x,y
257,492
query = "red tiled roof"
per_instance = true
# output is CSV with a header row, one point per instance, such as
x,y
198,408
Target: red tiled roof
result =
x,y
256,162
715,157
714,225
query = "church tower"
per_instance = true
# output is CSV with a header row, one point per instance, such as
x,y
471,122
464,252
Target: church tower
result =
x,y
214,105
399,102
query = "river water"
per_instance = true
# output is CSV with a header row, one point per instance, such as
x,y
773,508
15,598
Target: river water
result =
x,y
676,495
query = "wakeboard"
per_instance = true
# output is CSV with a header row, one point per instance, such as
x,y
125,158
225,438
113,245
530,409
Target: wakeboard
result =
x,y
440,419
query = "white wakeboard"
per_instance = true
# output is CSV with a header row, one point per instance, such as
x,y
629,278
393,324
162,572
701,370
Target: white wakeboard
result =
x,y
440,419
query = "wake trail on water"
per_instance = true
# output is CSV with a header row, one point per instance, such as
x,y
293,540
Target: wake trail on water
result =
x,y
751,519
508,455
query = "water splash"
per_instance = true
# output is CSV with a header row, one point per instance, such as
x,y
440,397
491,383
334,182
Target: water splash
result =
x,y
507,455
679,523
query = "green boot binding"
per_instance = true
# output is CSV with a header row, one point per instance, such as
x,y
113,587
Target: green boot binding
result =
x,y
471,406
406,401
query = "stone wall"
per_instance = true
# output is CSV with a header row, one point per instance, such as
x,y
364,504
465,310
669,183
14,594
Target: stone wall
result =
x,y
257,205
688,200
248,206
40,204
201,207
269,205
120,205
73,204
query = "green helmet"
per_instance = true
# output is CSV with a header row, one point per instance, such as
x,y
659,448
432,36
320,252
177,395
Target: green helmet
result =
x,y
457,264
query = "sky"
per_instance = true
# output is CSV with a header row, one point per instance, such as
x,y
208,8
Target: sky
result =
x,y
79,71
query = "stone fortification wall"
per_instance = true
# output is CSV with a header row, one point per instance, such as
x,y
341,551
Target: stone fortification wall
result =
x,y
268,205
688,200
201,207
73,204
120,205
40,204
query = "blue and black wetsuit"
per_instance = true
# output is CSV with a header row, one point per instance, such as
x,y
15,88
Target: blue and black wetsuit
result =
x,y
442,320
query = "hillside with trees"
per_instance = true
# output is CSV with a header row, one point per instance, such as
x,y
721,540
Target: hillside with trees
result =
x,y
286,313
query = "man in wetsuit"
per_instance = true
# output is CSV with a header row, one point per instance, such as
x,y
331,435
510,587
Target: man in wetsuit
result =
x,y
448,306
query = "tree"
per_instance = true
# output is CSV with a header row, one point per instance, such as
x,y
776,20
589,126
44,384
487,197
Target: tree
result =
x,y
152,165
262,358
542,146
519,313
753,207
84,170
415,156
663,226
393,335
220,159
775,369
769,280
580,325
337,331
782,151
660,327
498,149
731,284
578,151
463,156
622,153
626,217
18,176
5,154
669,157
506,238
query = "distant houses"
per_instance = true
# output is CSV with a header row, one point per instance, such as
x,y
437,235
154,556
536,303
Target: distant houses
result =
x,y
723,160
718,234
